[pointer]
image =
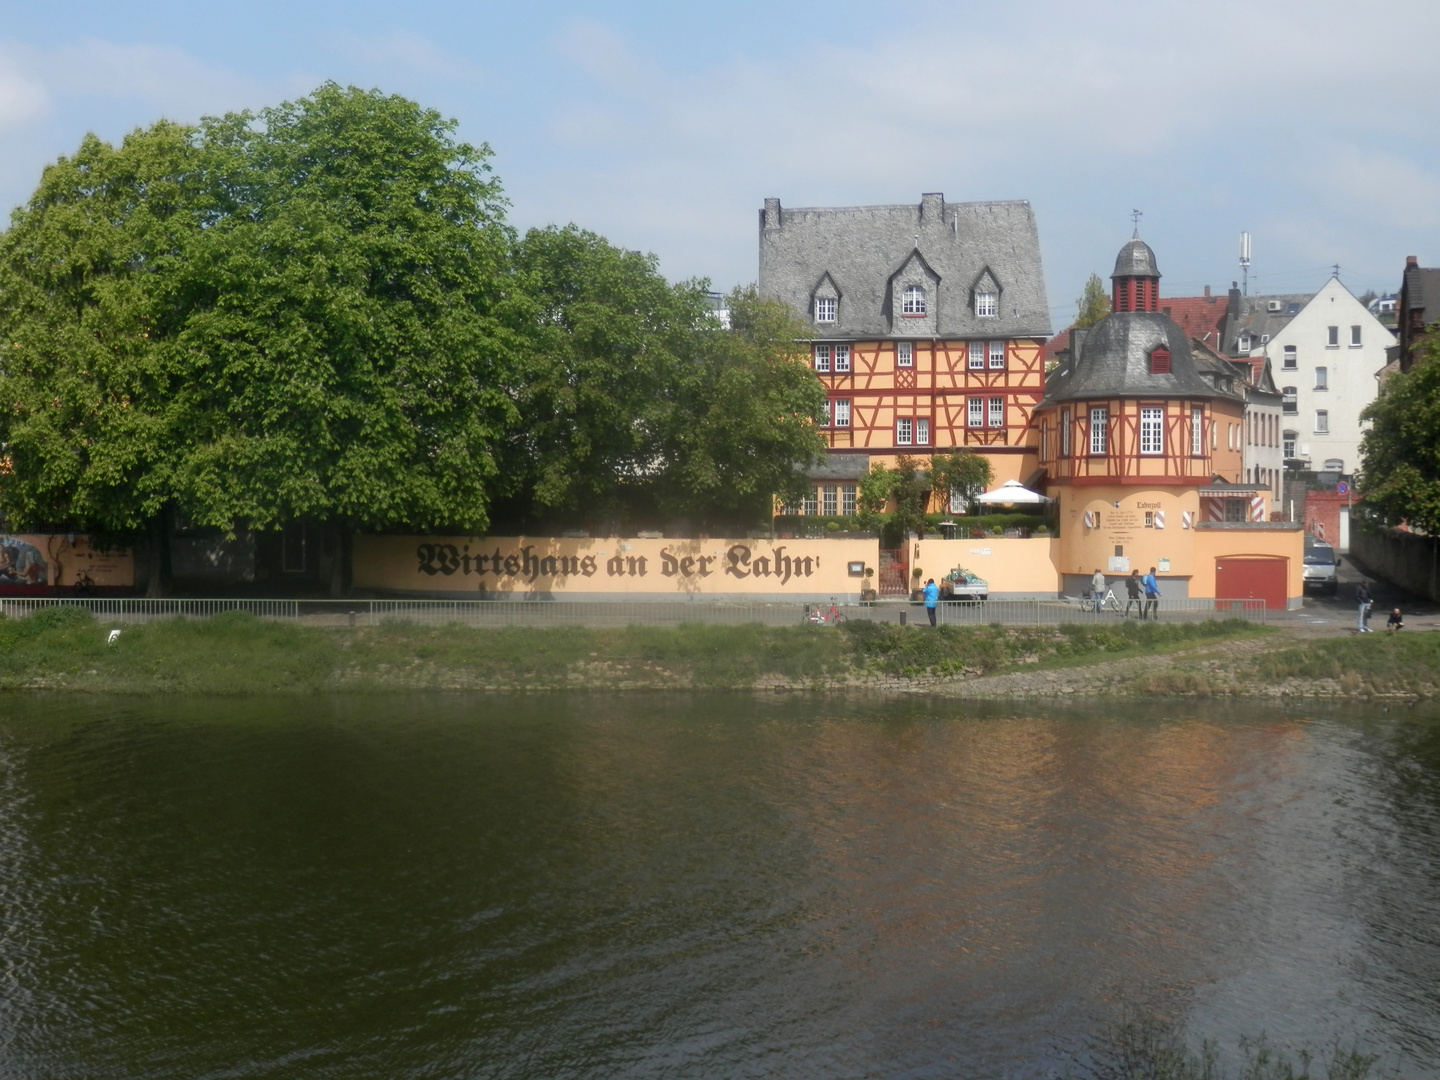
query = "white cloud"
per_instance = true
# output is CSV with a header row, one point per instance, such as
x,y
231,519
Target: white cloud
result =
x,y
404,50
22,98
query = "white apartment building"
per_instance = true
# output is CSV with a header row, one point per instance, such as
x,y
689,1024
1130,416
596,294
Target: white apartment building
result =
x,y
1325,361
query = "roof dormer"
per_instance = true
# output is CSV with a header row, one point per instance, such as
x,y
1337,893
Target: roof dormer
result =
x,y
825,302
914,297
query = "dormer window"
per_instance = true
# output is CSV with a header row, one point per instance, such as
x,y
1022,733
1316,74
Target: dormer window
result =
x,y
825,309
913,301
1160,361
1244,343
986,303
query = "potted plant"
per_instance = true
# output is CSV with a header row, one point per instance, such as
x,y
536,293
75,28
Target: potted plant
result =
x,y
915,591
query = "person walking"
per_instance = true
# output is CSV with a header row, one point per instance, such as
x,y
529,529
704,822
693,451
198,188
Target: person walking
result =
x,y
932,599
1363,599
1133,593
1097,588
1152,595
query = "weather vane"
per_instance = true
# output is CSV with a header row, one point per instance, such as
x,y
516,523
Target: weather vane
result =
x,y
1135,216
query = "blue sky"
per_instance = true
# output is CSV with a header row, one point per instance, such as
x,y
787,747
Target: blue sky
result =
x,y
1312,123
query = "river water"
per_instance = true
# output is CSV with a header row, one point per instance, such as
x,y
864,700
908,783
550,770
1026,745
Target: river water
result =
x,y
701,885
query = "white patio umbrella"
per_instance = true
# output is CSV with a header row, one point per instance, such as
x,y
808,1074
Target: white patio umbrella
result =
x,y
1012,493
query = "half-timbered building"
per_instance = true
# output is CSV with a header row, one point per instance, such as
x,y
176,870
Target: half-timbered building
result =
x,y
1143,444
925,323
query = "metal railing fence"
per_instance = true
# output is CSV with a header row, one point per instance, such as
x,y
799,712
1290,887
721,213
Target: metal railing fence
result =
x,y
502,613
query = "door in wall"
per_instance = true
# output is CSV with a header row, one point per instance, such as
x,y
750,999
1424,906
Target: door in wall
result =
x,y
1257,577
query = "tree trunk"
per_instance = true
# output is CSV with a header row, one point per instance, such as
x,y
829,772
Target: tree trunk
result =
x,y
158,556
338,545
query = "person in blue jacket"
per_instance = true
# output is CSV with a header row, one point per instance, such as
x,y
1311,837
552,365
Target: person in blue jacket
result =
x,y
1152,595
932,598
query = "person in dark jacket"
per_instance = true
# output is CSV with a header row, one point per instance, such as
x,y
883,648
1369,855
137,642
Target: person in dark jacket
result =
x,y
1364,601
1395,622
1134,592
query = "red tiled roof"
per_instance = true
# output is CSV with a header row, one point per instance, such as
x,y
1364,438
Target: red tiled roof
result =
x,y
1201,317
1050,353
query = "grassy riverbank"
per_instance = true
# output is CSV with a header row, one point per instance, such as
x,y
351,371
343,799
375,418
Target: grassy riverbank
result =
x,y
64,649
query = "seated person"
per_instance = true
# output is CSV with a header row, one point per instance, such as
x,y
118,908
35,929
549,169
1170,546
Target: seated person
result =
x,y
1396,621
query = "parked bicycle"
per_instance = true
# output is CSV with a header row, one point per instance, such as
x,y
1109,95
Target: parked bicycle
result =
x,y
1109,602
833,617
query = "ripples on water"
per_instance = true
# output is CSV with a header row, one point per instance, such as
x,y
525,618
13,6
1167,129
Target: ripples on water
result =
x,y
700,885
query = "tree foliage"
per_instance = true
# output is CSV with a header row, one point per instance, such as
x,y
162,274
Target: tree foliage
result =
x,y
1093,304
963,472
637,402
1400,466
317,313
91,426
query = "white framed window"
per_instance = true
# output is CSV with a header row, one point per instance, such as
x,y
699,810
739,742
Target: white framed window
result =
x,y
1322,421
986,303
790,510
922,431
904,430
1334,464
829,500
842,412
1243,345
1288,442
1197,430
1264,339
1152,430
1332,339
997,412
842,358
1291,360
1229,436
1322,378
975,412
825,309
811,505
997,356
1064,432
912,301
1288,399
1098,416
847,499
825,414
1354,337
822,357
977,356
904,354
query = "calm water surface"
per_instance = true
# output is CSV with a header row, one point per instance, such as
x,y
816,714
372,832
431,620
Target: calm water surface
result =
x,y
700,885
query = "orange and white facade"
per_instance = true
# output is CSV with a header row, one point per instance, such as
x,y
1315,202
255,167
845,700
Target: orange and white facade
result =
x,y
925,324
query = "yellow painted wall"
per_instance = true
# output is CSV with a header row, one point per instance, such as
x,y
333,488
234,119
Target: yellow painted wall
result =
x,y
1081,550
1213,543
1008,565
577,569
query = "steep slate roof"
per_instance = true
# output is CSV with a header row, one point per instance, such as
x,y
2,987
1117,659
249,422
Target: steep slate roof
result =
x,y
1114,361
862,248
1422,285
1259,321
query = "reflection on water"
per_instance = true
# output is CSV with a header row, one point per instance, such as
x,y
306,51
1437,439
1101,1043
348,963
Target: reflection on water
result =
x,y
699,885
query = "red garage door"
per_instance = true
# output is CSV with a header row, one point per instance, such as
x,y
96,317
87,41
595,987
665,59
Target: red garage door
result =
x,y
1258,578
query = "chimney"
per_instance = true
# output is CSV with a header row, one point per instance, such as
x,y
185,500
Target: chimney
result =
x,y
1207,292
1412,260
932,207
770,216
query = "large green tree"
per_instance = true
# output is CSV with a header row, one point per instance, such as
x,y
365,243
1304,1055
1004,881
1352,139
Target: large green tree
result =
x,y
1400,454
638,403
963,472
350,335
304,314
